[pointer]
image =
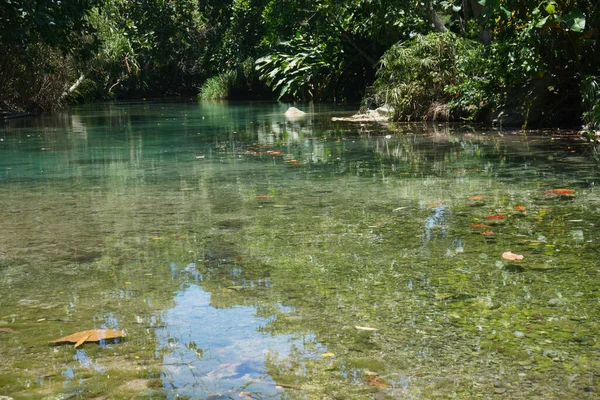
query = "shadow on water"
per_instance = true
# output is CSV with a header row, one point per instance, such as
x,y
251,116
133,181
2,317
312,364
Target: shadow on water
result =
x,y
250,256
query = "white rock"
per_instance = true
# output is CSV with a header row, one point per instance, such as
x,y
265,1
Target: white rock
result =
x,y
294,112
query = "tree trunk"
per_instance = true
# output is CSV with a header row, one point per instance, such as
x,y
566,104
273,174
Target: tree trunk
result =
x,y
435,20
74,87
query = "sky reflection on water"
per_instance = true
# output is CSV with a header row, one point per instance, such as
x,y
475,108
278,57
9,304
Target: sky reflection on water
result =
x,y
219,352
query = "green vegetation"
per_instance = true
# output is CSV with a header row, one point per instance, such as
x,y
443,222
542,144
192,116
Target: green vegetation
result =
x,y
417,77
507,61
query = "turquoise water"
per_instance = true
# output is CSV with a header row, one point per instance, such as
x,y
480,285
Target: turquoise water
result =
x,y
245,255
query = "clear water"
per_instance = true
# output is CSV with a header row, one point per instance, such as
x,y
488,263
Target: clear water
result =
x,y
250,256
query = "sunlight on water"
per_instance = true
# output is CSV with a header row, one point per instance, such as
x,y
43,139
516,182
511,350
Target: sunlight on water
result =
x,y
250,256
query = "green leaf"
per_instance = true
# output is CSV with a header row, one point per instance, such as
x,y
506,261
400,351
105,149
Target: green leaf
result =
x,y
489,3
575,21
550,9
541,22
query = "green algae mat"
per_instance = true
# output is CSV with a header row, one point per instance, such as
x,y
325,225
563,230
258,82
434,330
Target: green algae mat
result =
x,y
242,255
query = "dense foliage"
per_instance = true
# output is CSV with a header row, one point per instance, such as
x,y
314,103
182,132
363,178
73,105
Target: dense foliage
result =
x,y
510,61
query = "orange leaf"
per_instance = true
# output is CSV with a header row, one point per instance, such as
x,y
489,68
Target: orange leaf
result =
x,y
499,216
374,380
520,208
439,203
483,226
82,340
488,233
560,191
476,198
92,335
507,255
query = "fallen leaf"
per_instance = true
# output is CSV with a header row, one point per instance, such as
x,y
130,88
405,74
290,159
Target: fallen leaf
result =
x,y
264,196
92,335
520,208
6,330
365,328
327,355
82,340
488,233
560,191
374,380
476,198
499,216
439,203
483,226
507,255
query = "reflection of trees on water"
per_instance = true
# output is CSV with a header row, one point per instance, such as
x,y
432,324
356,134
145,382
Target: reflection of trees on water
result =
x,y
125,220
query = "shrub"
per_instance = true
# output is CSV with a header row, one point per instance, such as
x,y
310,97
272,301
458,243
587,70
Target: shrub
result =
x,y
591,102
414,76
33,81
219,87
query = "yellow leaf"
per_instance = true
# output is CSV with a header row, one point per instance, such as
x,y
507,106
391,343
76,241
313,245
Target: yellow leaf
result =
x,y
327,355
92,335
365,328
82,340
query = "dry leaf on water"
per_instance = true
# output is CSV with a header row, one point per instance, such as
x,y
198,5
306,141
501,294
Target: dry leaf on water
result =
x,y
507,255
482,226
520,208
476,198
488,233
499,216
92,335
374,380
560,191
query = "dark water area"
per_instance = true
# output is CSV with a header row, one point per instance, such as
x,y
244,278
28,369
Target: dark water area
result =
x,y
249,256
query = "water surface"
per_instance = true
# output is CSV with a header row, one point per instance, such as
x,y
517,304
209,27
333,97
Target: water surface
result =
x,y
250,256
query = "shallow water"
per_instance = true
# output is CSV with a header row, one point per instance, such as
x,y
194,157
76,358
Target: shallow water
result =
x,y
250,256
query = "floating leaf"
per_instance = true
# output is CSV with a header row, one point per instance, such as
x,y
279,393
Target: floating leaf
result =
x,y
499,216
6,330
488,233
365,328
482,226
520,208
560,191
439,203
264,196
507,255
92,335
476,198
327,355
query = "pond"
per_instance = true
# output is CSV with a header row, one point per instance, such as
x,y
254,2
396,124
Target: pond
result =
x,y
248,256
